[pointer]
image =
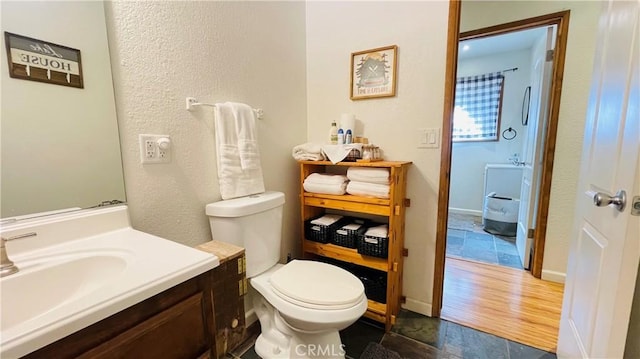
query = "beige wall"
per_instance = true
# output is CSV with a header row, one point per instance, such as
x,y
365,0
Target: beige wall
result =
x,y
573,106
162,52
60,146
334,31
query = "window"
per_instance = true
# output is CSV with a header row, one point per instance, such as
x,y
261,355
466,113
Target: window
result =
x,y
478,104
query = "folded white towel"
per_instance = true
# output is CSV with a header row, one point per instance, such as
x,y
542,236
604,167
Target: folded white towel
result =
x,y
325,188
378,231
337,153
352,226
233,179
368,174
368,189
327,219
326,178
308,152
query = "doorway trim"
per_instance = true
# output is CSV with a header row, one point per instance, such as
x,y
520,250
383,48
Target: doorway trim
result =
x,y
561,19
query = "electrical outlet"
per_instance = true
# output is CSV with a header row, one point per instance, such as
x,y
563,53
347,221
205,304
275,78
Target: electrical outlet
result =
x,y
155,149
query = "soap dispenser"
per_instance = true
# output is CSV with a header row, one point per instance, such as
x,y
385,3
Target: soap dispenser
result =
x,y
333,133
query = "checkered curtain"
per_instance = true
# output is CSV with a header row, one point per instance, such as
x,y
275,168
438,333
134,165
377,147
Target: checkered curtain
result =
x,y
477,107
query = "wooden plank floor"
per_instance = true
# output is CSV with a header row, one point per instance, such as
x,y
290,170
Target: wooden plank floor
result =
x,y
506,302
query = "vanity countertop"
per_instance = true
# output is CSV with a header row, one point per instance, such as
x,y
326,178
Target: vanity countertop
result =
x,y
80,268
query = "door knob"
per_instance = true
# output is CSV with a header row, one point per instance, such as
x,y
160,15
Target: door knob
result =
x,y
619,201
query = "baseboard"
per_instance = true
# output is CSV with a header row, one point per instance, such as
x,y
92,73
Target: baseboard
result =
x,y
553,276
250,317
417,306
465,211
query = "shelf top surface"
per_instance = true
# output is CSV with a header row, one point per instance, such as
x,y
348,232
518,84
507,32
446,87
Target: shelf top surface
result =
x,y
359,164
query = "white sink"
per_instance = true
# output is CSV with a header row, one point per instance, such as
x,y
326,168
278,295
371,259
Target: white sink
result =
x,y
43,286
81,268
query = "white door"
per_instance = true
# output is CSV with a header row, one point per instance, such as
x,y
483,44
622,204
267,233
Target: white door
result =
x,y
605,246
533,145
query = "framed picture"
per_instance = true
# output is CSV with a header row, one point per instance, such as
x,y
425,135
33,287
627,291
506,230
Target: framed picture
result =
x,y
43,61
373,73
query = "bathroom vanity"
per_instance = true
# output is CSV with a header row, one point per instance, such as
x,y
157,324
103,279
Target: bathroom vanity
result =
x,y
90,286
177,323
391,211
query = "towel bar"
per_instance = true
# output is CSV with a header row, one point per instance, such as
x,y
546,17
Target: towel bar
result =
x,y
191,102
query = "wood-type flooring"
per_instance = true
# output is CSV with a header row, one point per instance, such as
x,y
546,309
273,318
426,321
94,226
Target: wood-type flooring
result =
x,y
506,302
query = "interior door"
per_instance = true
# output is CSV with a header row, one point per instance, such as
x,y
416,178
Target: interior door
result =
x,y
605,248
533,145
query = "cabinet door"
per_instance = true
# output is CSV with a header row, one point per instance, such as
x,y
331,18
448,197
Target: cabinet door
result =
x,y
177,332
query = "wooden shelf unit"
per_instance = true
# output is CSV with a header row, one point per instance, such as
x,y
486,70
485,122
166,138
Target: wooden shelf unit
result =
x,y
393,209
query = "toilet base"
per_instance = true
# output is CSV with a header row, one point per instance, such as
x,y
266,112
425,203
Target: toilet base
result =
x,y
278,340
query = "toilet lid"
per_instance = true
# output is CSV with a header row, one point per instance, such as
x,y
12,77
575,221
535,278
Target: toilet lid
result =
x,y
317,284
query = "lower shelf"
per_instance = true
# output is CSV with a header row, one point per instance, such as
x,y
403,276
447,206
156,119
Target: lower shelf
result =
x,y
344,254
376,311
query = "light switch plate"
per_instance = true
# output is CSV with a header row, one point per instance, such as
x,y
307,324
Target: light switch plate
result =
x,y
428,138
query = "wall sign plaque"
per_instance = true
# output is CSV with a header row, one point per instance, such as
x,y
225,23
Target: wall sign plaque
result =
x,y
37,60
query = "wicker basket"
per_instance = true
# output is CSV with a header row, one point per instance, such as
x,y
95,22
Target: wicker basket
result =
x,y
353,155
348,237
320,233
375,286
373,246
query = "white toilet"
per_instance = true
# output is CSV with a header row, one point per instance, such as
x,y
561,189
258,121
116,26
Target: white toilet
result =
x,y
301,305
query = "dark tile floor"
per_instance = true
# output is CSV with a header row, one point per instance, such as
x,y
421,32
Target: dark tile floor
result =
x,y
483,247
421,337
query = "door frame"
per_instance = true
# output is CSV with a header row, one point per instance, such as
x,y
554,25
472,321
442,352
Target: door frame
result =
x,y
561,19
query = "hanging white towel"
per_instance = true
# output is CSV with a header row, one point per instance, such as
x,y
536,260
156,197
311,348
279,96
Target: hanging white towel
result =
x,y
247,136
235,181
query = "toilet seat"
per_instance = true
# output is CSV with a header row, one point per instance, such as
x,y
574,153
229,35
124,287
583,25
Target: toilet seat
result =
x,y
317,285
296,313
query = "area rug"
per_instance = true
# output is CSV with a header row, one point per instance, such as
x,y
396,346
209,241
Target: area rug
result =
x,y
465,222
377,351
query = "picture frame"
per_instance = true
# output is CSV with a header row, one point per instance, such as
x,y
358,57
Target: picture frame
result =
x,y
37,60
374,73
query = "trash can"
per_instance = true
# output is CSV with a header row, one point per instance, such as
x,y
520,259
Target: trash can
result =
x,y
500,215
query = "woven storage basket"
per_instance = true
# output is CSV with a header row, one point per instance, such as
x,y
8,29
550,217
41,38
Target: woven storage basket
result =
x,y
320,233
373,246
348,237
375,286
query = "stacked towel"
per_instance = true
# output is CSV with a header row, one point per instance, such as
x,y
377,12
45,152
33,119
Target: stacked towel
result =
x,y
365,189
308,152
368,174
368,182
381,231
325,183
327,220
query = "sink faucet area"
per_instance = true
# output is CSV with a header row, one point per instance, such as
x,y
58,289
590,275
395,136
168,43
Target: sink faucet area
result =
x,y
81,267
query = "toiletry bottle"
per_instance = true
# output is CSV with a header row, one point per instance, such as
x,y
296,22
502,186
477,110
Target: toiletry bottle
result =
x,y
333,133
348,137
340,137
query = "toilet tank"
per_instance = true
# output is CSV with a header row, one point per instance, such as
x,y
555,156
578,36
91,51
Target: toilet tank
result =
x,y
253,222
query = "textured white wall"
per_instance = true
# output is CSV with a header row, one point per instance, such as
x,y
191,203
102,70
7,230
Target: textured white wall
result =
x,y
469,158
334,31
575,90
60,146
162,52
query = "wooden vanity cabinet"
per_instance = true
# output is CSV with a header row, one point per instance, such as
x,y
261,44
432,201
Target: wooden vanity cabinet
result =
x,y
391,210
229,290
177,323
